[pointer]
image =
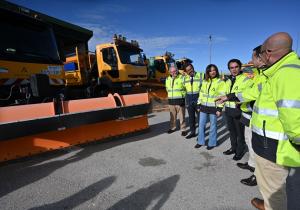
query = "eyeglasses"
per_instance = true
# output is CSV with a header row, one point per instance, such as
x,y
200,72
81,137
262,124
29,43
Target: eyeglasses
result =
x,y
266,51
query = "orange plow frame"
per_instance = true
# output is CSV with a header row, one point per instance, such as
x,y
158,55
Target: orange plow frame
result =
x,y
81,121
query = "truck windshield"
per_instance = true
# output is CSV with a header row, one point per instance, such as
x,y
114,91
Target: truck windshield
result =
x,y
27,40
130,56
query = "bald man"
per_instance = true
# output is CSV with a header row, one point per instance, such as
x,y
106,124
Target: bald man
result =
x,y
276,126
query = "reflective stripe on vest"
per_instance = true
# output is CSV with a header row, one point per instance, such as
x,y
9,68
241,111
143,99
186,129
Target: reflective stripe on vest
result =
x,y
259,87
175,97
193,88
278,110
209,92
209,104
267,112
241,82
269,134
194,80
290,66
240,97
296,140
288,104
246,78
249,107
230,105
208,96
247,116
175,87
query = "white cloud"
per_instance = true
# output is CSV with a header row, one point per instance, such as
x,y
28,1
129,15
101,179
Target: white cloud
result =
x,y
164,42
150,45
101,34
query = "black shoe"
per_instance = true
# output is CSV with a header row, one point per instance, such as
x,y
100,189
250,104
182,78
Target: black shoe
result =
x,y
191,135
251,181
198,146
229,152
171,131
245,166
209,148
184,133
237,157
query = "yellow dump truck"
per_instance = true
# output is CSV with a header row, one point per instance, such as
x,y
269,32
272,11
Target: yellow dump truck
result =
x,y
32,76
32,50
114,67
158,67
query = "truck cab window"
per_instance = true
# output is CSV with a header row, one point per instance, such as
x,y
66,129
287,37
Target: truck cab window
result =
x,y
25,41
109,56
160,65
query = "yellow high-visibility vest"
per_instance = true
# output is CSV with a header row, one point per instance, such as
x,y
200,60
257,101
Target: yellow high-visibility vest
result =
x,y
276,112
195,87
210,90
241,82
175,87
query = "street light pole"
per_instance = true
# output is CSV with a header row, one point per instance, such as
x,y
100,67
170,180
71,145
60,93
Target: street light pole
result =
x,y
297,43
210,43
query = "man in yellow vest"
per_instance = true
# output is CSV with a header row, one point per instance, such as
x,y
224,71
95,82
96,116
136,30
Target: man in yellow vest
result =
x,y
176,98
247,107
275,126
236,82
192,84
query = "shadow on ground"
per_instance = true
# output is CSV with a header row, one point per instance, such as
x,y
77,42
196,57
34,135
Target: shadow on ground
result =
x,y
80,197
19,173
142,198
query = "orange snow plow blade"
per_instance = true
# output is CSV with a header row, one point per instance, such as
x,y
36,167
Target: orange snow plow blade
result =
x,y
37,128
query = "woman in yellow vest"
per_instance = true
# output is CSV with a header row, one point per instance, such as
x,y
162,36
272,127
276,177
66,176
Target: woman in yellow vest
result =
x,y
210,89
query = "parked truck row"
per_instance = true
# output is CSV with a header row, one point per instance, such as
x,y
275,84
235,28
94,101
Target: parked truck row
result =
x,y
50,85
43,58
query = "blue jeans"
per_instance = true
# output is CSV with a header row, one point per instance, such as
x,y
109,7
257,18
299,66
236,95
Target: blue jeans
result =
x,y
212,131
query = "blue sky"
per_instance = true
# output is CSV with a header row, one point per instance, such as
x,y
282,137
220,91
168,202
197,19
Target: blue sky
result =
x,y
181,27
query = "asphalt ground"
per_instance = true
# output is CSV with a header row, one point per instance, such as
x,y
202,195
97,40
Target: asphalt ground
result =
x,y
147,170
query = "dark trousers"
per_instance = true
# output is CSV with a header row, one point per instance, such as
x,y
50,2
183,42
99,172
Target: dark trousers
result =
x,y
292,188
237,134
193,116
